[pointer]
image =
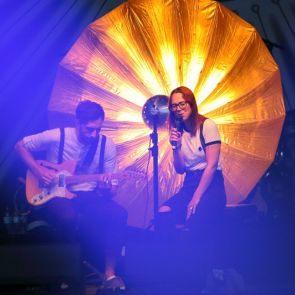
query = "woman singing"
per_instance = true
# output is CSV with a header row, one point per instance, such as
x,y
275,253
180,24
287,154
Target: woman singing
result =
x,y
195,141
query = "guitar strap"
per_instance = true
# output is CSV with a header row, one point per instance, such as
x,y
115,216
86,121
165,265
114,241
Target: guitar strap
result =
x,y
101,156
61,145
202,139
90,154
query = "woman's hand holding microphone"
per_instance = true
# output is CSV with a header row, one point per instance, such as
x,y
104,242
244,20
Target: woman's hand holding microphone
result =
x,y
175,138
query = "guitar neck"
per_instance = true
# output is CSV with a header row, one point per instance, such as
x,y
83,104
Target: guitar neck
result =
x,y
73,179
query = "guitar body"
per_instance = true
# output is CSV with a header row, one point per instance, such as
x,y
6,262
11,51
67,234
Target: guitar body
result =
x,y
38,194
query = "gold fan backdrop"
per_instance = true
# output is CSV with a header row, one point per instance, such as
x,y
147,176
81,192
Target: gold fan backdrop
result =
x,y
148,47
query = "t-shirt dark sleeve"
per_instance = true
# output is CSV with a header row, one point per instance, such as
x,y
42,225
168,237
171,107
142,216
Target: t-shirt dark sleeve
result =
x,y
211,133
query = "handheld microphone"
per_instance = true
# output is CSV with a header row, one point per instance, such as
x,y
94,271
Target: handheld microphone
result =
x,y
178,124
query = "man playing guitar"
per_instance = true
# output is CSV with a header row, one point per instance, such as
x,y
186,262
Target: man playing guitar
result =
x,y
100,221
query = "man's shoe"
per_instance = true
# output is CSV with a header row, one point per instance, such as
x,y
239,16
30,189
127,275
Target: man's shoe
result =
x,y
114,283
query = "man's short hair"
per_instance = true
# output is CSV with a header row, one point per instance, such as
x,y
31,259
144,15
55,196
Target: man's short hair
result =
x,y
88,110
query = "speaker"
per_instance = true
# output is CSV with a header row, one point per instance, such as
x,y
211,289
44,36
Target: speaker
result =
x,y
39,263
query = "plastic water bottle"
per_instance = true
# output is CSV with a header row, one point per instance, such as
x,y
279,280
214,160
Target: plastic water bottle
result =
x,y
16,223
115,182
7,221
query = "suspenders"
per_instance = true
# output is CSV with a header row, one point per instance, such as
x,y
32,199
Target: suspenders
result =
x,y
61,145
90,154
101,155
202,119
202,139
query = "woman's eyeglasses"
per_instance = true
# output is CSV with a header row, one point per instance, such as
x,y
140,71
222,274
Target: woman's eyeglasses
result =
x,y
181,105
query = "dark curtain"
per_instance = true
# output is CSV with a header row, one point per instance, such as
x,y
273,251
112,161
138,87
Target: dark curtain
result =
x,y
34,37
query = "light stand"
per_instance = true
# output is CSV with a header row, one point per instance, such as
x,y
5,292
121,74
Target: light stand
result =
x,y
155,154
155,114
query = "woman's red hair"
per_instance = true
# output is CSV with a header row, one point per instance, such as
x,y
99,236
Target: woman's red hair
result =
x,y
195,118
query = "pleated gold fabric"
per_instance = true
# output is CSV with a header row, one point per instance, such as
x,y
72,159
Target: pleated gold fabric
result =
x,y
148,47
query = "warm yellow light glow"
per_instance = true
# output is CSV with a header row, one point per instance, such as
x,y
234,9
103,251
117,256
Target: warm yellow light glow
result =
x,y
128,117
193,71
140,65
149,47
211,82
131,94
216,103
169,64
130,134
150,80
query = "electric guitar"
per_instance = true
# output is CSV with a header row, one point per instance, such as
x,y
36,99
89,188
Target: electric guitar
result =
x,y
39,194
